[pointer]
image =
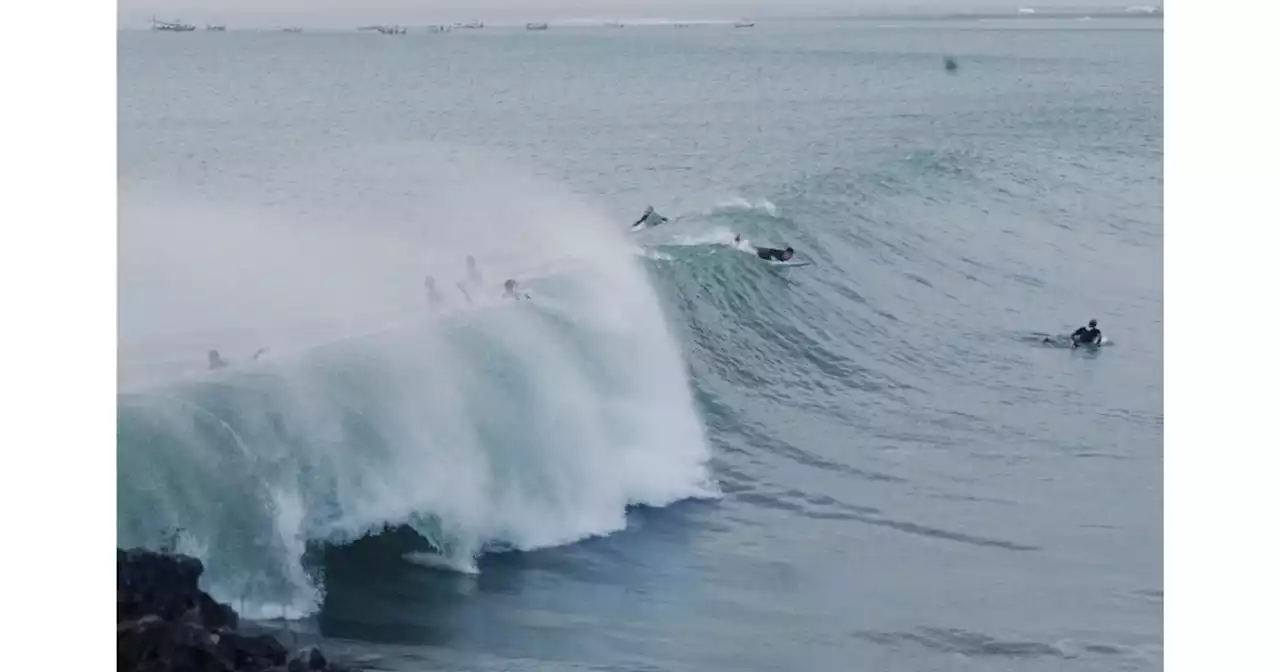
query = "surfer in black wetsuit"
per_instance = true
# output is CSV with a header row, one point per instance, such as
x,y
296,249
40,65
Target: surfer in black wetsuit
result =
x,y
649,217
774,254
768,253
1089,335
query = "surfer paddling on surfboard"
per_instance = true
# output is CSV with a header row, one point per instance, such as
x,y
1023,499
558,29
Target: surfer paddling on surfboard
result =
x,y
774,254
769,253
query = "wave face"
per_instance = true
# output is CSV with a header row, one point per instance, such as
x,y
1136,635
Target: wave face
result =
x,y
497,425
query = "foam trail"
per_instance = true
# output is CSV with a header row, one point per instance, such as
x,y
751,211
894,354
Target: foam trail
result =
x,y
717,236
740,203
516,424
656,255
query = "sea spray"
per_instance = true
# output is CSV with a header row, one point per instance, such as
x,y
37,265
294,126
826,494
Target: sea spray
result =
x,y
486,423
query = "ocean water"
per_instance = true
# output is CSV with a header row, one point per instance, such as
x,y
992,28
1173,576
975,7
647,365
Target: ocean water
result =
x,y
670,456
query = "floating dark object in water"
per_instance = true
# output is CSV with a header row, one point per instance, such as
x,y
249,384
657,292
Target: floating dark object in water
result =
x,y
951,64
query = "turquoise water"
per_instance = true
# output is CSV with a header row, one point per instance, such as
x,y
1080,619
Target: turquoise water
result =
x,y
672,456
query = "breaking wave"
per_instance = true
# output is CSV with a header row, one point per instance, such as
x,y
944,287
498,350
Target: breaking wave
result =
x,y
483,426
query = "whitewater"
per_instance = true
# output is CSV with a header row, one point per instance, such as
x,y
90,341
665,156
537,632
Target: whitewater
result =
x,y
486,424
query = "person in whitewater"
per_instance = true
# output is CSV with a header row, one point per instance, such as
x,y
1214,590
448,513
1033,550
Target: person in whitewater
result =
x,y
649,218
510,290
473,278
217,362
1089,335
433,295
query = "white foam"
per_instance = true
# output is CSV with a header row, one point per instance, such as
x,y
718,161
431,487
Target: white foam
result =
x,y
741,203
530,423
717,236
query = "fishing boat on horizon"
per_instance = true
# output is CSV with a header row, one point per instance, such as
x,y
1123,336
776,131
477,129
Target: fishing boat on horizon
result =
x,y
171,26
386,30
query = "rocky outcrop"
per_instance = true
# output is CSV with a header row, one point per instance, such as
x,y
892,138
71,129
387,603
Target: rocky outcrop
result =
x,y
165,623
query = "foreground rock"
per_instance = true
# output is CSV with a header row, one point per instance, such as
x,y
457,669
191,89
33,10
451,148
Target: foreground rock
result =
x,y
165,623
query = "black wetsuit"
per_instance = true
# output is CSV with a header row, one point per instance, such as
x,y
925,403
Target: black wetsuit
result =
x,y
1086,336
651,218
771,254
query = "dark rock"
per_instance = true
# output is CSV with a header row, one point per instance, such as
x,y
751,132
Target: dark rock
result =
x,y
140,568
217,615
152,645
252,652
165,623
308,660
166,585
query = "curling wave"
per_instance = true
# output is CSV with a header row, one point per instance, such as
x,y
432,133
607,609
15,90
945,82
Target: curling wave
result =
x,y
505,425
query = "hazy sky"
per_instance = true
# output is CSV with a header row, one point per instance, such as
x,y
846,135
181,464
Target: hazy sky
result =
x,y
342,12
